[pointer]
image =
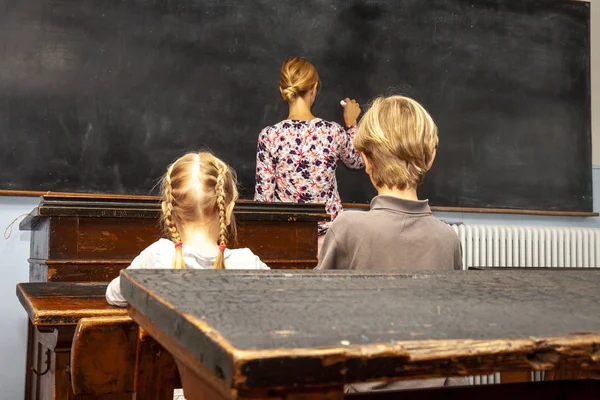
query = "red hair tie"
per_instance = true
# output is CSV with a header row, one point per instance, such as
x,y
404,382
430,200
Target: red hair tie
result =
x,y
179,244
222,247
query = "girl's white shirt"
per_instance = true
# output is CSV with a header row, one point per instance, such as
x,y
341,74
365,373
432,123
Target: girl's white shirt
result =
x,y
160,255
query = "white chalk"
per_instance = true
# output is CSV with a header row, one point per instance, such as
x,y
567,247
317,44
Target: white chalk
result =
x,y
343,103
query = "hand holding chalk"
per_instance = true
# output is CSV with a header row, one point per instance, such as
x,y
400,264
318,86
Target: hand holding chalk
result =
x,y
351,111
344,102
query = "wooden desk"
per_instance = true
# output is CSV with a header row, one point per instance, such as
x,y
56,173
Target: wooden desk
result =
x,y
275,335
85,238
54,311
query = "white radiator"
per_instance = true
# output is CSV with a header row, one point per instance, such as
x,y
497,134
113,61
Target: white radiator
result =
x,y
516,246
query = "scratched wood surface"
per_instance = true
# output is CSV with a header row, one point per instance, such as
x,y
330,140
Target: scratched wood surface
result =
x,y
268,329
56,304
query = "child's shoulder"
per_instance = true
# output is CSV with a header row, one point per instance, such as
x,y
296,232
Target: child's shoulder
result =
x,y
243,259
162,246
350,219
157,255
441,225
243,252
443,230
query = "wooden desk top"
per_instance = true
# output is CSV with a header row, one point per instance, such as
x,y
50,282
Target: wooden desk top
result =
x,y
115,206
274,329
55,304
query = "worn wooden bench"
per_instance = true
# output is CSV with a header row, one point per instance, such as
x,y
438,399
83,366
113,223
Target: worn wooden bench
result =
x,y
273,335
54,311
92,350
113,356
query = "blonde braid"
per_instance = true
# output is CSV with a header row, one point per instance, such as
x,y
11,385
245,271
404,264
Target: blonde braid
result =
x,y
167,208
219,188
220,192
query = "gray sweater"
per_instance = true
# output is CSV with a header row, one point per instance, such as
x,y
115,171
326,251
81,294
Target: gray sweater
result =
x,y
395,235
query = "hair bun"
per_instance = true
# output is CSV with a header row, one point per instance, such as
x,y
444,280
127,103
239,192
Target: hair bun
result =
x,y
289,94
297,77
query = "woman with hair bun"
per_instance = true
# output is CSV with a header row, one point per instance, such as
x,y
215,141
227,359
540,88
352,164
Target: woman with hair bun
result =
x,y
296,158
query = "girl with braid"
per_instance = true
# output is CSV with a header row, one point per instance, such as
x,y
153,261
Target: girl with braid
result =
x,y
198,195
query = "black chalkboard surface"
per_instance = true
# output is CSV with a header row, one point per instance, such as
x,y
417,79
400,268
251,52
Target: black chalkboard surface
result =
x,y
99,96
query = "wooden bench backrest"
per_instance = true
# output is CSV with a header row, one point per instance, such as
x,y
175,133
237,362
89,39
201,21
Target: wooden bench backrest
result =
x,y
103,355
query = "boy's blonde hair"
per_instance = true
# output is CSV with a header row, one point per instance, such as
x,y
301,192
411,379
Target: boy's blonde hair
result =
x,y
197,188
399,138
297,77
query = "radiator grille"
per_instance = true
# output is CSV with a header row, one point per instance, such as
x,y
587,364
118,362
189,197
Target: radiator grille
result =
x,y
510,246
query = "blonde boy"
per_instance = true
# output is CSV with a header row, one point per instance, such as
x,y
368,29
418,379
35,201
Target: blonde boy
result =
x,y
397,139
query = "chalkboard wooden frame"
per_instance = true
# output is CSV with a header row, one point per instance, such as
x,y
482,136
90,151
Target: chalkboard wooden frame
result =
x,y
346,205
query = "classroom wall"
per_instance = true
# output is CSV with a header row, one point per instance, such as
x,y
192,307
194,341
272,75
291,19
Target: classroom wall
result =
x,y
13,269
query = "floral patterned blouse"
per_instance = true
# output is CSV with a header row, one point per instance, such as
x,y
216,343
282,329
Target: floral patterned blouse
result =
x,y
296,162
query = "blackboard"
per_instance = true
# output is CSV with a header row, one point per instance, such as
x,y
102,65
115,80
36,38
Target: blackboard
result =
x,y
99,96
